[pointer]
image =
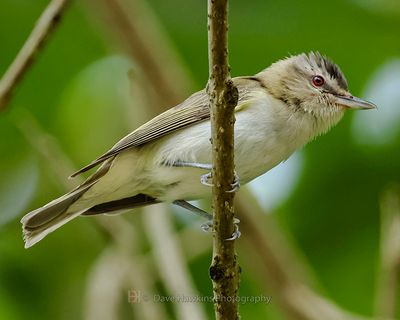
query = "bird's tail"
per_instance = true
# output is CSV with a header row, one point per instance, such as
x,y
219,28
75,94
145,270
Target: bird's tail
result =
x,y
40,222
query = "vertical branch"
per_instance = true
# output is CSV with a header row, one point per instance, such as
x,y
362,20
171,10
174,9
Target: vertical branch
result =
x,y
44,26
224,270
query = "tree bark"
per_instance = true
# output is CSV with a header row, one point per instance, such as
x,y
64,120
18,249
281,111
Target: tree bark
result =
x,y
224,270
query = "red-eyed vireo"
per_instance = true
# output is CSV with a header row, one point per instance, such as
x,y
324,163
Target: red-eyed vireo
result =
x,y
168,158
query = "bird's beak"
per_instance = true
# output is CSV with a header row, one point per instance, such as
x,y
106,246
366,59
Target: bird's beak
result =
x,y
354,102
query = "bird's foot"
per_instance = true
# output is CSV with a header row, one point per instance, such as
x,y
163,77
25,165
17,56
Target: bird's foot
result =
x,y
208,227
236,183
206,179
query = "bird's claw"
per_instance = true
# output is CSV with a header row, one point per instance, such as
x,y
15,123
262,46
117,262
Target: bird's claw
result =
x,y
208,227
236,234
205,180
236,183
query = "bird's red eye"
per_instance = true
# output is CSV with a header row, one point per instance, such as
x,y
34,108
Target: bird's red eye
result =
x,y
318,81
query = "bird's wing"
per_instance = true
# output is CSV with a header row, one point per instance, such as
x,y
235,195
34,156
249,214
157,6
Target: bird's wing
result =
x,y
193,110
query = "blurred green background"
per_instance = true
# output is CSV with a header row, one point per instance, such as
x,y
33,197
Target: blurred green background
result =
x,y
78,96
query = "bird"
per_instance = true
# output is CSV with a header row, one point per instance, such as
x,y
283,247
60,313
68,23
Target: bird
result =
x,y
168,159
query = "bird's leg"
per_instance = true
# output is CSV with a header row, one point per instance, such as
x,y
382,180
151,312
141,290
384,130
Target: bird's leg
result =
x,y
205,178
193,209
208,226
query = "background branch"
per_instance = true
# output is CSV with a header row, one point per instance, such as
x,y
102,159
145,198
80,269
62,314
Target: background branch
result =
x,y
170,261
224,270
137,32
388,277
35,42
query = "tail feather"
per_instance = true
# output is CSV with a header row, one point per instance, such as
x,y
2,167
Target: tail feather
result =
x,y
40,222
34,235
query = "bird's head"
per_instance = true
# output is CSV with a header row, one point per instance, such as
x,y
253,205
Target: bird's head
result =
x,y
312,84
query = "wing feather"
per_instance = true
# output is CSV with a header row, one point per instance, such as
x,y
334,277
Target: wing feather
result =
x,y
193,110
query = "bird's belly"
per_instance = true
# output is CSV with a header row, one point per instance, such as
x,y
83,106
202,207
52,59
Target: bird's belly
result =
x,y
176,183
257,156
